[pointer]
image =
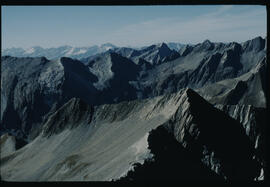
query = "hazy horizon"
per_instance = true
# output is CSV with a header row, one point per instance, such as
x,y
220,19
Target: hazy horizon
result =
x,y
125,45
129,26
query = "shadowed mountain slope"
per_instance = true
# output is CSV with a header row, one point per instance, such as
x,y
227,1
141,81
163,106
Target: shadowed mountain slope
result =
x,y
31,88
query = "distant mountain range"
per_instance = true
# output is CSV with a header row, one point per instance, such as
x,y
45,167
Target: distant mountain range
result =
x,y
54,53
120,113
68,51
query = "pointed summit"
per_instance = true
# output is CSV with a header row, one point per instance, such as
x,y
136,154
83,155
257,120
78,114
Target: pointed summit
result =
x,y
162,45
256,44
207,41
164,48
206,45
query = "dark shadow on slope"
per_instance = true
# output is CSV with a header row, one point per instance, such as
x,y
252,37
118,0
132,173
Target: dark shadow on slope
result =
x,y
25,104
72,114
120,89
222,136
171,162
78,81
10,118
235,95
20,143
226,137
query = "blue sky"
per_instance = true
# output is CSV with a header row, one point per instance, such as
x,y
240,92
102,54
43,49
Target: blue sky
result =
x,y
78,26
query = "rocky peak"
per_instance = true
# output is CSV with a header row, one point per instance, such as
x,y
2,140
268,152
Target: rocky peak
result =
x,y
198,125
235,47
164,50
185,50
163,46
206,45
256,44
206,42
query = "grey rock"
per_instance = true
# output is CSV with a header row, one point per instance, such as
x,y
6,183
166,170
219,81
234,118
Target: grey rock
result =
x,y
32,88
104,142
247,89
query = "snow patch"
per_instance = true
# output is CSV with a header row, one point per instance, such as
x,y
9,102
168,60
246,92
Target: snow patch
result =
x,y
70,51
141,145
261,177
141,153
107,48
30,51
141,150
81,51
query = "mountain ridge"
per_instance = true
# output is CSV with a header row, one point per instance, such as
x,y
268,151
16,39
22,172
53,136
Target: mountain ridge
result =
x,y
148,114
56,104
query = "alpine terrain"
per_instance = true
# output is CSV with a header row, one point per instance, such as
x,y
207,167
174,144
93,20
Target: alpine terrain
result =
x,y
167,111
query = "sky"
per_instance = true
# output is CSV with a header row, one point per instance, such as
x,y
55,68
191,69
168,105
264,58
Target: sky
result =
x,y
81,26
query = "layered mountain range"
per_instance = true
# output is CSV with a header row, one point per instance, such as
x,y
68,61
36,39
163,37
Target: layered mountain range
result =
x,y
69,51
131,114
58,52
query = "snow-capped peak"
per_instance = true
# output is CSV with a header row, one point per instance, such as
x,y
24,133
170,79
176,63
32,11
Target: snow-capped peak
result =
x,y
30,50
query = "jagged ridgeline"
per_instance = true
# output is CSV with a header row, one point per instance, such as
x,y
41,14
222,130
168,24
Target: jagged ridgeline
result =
x,y
132,114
